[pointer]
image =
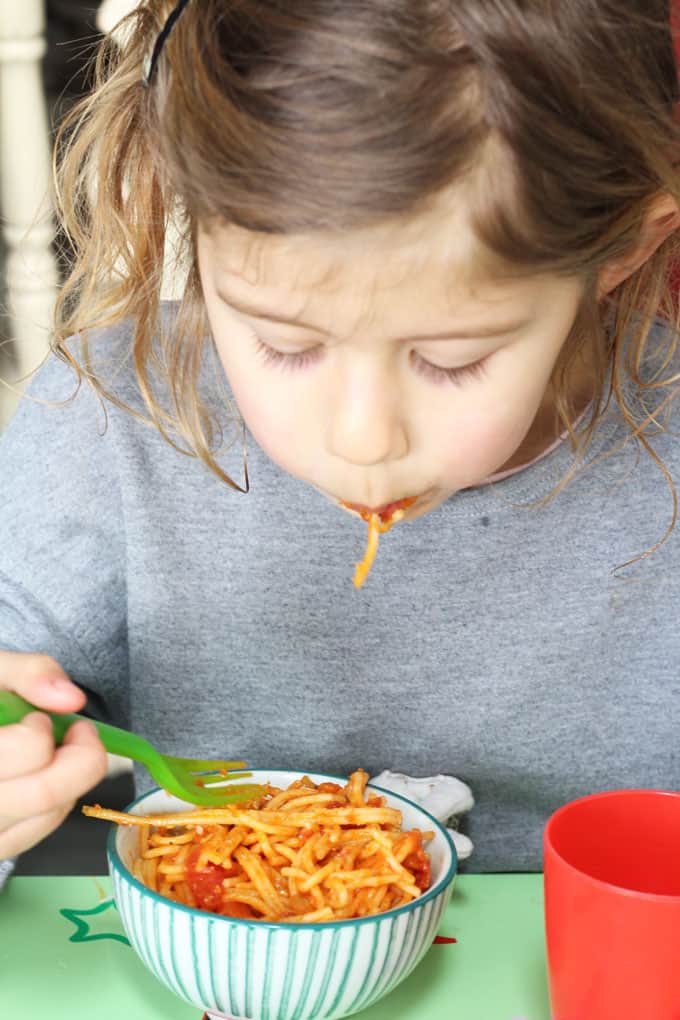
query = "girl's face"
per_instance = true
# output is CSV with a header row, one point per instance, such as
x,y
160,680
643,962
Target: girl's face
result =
x,y
376,366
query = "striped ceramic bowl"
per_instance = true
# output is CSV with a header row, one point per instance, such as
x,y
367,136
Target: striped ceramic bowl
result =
x,y
264,971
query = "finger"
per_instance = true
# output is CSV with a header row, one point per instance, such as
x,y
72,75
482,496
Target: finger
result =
x,y
77,765
40,680
26,746
25,834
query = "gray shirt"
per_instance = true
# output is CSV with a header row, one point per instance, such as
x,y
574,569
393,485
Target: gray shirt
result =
x,y
492,641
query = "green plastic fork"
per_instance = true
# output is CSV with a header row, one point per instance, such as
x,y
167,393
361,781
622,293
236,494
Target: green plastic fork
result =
x,y
191,779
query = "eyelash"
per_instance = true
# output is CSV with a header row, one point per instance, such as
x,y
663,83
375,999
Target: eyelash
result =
x,y
435,373
458,376
289,361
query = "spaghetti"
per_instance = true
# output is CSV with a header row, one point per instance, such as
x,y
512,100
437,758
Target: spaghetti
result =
x,y
379,522
307,853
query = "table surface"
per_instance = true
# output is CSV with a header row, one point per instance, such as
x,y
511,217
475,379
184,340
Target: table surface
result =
x,y
64,956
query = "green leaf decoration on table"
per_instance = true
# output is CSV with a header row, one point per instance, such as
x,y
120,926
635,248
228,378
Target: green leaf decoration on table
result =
x,y
86,920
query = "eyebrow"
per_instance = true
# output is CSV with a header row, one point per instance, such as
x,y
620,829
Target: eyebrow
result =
x,y
474,333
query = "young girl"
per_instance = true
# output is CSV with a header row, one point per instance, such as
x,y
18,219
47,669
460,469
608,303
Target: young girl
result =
x,y
427,249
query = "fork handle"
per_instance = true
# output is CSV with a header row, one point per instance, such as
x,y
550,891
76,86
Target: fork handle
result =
x,y
116,741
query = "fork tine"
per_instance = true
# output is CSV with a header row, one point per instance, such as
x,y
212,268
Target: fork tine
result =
x,y
219,796
212,778
206,764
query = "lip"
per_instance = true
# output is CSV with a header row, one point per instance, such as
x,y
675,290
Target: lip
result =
x,y
383,511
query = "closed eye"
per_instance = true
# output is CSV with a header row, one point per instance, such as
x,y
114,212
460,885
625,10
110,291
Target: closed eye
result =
x,y
458,375
286,359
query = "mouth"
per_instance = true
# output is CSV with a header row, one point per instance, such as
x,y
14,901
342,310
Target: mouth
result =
x,y
386,512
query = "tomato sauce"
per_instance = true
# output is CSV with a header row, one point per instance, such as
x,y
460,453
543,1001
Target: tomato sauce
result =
x,y
384,512
418,862
232,908
206,883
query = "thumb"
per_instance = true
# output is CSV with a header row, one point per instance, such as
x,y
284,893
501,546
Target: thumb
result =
x,y
40,680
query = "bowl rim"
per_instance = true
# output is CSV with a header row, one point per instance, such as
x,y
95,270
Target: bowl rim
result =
x,y
116,864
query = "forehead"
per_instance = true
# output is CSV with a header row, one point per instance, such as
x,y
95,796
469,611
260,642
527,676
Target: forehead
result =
x,y
435,255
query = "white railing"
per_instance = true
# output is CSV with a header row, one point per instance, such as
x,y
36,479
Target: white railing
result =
x,y
25,207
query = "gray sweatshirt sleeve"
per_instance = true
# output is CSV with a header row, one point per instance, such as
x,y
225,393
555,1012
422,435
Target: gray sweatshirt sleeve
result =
x,y
62,537
6,868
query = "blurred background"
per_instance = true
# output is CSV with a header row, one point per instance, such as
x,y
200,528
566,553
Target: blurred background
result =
x,y
45,47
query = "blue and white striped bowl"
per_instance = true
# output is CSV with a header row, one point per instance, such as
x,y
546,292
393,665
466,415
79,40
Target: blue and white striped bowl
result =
x,y
263,971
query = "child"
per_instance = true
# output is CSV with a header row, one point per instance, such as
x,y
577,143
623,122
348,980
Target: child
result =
x,y
427,251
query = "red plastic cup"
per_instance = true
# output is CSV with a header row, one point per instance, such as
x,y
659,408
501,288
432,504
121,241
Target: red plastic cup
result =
x,y
612,907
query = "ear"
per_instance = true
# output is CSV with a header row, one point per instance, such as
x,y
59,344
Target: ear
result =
x,y
661,219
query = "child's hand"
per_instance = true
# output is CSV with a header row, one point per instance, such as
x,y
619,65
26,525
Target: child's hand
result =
x,y
39,783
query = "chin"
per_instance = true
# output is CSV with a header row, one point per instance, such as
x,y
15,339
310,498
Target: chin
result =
x,y
433,501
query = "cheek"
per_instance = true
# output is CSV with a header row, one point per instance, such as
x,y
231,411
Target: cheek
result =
x,y
266,399
264,419
491,425
272,418
482,440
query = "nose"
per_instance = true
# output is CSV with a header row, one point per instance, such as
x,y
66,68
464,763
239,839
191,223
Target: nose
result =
x,y
367,423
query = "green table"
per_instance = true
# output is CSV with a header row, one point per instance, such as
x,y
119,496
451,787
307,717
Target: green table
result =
x,y
64,956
